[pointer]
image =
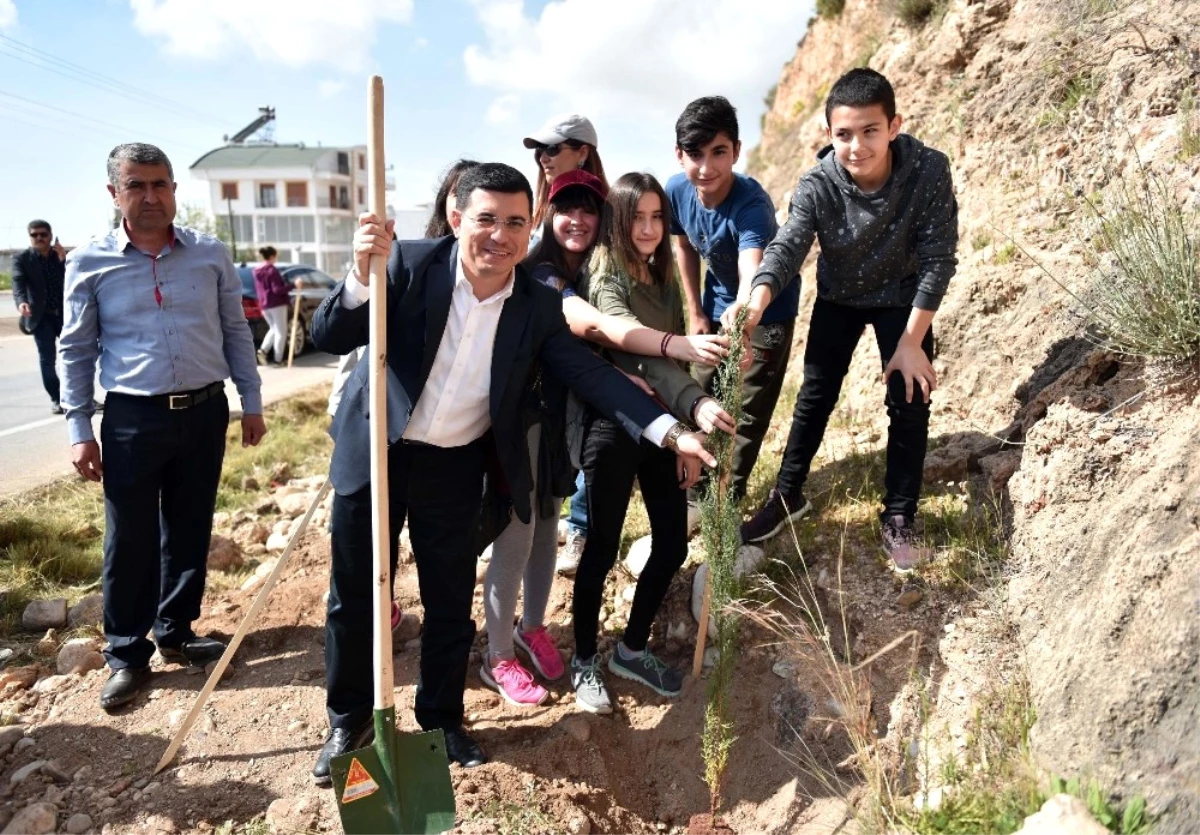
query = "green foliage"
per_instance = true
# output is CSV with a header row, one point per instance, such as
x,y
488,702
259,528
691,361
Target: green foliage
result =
x,y
829,9
517,818
720,531
1006,253
1144,295
918,12
1129,820
1069,85
5,281
980,239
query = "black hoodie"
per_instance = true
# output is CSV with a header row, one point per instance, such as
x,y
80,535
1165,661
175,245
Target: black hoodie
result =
x,y
892,248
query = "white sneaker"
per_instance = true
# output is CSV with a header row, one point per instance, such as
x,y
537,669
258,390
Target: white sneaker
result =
x,y
568,558
563,530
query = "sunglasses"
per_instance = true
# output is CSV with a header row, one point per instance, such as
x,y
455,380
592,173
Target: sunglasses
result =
x,y
39,234
553,150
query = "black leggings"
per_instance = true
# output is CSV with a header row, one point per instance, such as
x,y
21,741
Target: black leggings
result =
x,y
833,335
611,462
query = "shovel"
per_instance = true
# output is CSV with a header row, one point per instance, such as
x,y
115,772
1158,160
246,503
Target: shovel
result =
x,y
401,783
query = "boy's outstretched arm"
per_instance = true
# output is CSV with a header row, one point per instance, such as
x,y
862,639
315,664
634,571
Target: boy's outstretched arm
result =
x,y
688,261
781,259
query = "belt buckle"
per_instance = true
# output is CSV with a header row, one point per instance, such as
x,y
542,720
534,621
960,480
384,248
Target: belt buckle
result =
x,y
178,401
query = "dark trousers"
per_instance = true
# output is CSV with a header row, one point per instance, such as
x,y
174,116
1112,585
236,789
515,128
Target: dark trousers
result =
x,y
761,384
611,462
161,469
45,335
833,335
438,490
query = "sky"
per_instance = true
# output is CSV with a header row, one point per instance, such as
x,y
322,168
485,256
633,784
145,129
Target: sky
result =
x,y
463,78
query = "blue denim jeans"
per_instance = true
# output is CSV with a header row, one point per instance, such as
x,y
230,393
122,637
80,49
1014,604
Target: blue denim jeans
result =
x,y
577,517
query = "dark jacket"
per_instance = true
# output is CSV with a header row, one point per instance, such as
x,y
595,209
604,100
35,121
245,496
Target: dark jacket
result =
x,y
269,286
38,282
531,332
892,248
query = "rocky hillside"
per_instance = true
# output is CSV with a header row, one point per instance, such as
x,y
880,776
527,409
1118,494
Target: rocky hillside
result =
x,y
1039,104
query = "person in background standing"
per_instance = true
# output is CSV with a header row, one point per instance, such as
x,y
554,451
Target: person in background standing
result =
x,y
37,284
272,292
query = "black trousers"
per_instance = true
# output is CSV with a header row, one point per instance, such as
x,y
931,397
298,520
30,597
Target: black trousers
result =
x,y
438,490
611,461
161,469
45,336
833,335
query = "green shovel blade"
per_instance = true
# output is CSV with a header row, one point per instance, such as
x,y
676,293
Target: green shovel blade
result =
x,y
400,784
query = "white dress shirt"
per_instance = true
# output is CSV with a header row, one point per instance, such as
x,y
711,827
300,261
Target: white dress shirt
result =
x,y
453,409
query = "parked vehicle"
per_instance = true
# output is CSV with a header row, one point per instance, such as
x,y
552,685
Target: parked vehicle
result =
x,y
315,286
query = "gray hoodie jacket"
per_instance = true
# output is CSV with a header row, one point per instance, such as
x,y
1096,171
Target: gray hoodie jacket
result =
x,y
892,248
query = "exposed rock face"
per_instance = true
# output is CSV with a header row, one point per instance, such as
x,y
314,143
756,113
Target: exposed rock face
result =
x,y
1097,455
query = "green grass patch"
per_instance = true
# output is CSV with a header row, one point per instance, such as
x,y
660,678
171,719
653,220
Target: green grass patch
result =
x,y
830,9
1189,125
1006,253
5,281
51,538
918,12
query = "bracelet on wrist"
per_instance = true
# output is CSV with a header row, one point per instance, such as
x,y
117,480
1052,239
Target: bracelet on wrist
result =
x,y
665,343
671,439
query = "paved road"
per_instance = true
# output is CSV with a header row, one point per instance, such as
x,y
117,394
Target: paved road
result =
x,y
33,442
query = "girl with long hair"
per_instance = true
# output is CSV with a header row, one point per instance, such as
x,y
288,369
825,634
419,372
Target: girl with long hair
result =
x,y
272,292
631,277
524,554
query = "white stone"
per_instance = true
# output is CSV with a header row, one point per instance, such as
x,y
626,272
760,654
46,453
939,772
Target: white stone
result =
x,y
1062,814
78,824
638,556
35,819
41,615
294,503
51,684
277,541
22,774
785,668
79,655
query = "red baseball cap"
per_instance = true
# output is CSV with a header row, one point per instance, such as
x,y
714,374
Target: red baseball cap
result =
x,y
581,178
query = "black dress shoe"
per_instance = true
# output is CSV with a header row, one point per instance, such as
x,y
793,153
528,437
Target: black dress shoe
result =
x,y
122,686
462,749
339,741
197,652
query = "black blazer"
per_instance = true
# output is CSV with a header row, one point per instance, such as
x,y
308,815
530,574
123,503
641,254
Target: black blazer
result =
x,y
30,286
531,331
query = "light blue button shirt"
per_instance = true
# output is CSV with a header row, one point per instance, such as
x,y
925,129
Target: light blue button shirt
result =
x,y
188,335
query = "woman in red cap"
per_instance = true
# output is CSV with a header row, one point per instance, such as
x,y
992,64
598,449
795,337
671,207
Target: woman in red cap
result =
x,y
524,554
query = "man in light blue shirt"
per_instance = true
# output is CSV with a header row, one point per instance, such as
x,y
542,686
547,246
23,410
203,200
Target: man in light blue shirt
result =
x,y
160,308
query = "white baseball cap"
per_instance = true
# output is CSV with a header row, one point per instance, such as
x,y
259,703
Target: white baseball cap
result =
x,y
561,128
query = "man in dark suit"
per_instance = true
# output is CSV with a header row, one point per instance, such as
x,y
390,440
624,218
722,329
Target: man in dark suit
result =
x,y
37,283
466,329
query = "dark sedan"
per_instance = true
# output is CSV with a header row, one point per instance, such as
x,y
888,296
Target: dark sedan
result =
x,y
315,286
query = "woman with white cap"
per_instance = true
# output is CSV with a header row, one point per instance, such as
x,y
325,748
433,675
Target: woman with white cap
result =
x,y
565,143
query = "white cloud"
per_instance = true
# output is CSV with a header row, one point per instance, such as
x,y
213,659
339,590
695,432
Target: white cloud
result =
x,y
421,43
8,14
329,88
503,111
294,33
649,57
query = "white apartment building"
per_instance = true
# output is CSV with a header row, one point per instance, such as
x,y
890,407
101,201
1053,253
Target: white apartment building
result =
x,y
301,200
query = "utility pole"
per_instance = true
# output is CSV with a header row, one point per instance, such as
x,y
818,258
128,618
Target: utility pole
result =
x,y
232,231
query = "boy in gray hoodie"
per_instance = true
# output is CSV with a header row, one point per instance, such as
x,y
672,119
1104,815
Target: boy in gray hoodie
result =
x,y
882,205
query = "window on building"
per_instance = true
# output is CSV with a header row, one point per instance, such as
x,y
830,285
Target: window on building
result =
x,y
266,196
297,194
229,191
362,195
362,162
343,163
343,197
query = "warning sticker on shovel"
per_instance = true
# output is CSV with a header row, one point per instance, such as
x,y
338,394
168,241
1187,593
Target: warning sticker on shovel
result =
x,y
358,783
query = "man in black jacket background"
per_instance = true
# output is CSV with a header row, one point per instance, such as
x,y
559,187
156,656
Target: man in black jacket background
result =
x,y
37,282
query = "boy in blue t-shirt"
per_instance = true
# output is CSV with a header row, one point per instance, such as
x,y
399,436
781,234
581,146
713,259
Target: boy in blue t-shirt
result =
x,y
727,219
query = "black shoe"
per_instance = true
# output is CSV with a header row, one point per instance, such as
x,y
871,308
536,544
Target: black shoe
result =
x,y
56,408
123,686
462,749
775,514
197,652
340,741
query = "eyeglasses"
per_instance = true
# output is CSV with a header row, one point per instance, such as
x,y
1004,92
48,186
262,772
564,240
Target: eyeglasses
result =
x,y
39,234
513,224
553,150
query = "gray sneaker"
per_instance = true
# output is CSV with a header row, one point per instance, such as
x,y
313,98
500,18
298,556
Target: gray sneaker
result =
x,y
568,560
649,671
590,693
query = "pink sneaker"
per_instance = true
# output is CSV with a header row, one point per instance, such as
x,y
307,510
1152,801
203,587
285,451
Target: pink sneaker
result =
x,y
513,682
540,648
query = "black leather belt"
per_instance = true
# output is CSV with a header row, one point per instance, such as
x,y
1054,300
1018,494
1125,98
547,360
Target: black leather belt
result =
x,y
182,400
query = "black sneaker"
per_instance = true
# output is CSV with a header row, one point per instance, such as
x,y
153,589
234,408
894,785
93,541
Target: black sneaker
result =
x,y
898,538
56,408
774,515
